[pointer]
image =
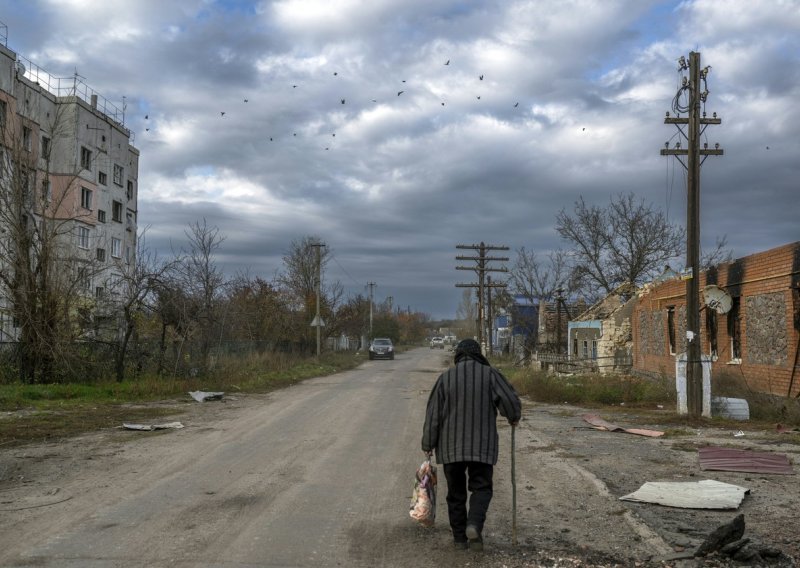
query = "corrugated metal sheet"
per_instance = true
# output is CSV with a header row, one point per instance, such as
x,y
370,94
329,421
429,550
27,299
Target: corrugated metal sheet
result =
x,y
707,494
600,424
731,459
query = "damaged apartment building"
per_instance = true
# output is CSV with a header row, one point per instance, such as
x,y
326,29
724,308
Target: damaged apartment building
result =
x,y
68,182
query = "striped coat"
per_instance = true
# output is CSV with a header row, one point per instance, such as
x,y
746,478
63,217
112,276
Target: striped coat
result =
x,y
461,418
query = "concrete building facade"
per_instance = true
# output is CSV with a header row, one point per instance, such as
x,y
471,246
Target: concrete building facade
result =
x,y
80,174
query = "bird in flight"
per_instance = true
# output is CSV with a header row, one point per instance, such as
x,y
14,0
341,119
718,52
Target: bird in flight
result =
x,y
147,129
270,138
374,100
516,105
246,101
342,101
294,86
447,62
334,135
400,93
481,77
146,116
479,97
222,113
442,104
335,73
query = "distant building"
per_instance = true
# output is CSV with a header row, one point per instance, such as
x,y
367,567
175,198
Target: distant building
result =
x,y
80,168
601,338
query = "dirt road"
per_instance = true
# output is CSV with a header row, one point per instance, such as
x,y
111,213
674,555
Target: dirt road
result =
x,y
320,474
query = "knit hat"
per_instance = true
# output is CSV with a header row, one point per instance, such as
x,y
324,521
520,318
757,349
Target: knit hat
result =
x,y
468,347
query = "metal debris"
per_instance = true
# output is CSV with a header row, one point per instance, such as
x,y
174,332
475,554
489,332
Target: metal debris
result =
x,y
706,494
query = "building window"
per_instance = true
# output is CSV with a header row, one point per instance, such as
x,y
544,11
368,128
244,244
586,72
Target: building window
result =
x,y
594,349
47,191
116,211
119,171
86,198
2,114
735,330
45,147
27,135
101,216
116,247
671,328
711,330
84,282
102,178
86,158
101,254
129,193
128,254
129,224
83,237
99,292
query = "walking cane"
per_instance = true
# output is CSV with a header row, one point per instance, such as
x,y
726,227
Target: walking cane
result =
x,y
513,490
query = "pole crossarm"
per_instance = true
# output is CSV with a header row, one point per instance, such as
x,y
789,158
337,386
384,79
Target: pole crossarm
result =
x,y
478,269
684,152
484,247
477,285
485,258
680,120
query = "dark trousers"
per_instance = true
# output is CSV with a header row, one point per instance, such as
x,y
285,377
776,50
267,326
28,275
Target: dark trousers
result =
x,y
461,476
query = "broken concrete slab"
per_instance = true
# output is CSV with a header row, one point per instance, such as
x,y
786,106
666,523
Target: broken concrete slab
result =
x,y
724,535
202,396
706,494
150,427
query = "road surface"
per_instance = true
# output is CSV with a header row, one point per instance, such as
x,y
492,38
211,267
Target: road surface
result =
x,y
321,474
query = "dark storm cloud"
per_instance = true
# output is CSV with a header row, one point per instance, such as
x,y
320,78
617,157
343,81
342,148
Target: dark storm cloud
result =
x,y
571,104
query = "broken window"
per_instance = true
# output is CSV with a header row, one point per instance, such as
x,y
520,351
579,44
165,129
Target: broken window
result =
x,y
735,329
711,329
671,328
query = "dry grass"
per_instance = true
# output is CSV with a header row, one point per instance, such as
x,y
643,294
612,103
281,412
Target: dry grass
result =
x,y
34,413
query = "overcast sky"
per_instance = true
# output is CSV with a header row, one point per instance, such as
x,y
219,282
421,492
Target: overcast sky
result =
x,y
542,102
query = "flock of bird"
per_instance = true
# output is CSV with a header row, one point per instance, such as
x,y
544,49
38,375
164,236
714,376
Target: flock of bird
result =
x,y
342,101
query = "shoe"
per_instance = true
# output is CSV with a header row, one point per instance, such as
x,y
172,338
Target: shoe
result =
x,y
475,540
461,544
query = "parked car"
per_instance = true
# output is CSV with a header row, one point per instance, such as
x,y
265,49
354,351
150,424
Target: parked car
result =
x,y
437,343
381,348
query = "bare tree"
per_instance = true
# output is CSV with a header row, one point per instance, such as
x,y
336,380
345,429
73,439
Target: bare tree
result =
x,y
45,279
720,254
467,312
536,280
300,280
132,292
627,241
203,280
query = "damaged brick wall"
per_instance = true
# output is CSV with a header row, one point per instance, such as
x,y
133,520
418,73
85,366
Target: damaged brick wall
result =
x,y
766,334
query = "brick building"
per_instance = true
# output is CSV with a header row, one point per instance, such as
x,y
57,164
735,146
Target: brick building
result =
x,y
757,338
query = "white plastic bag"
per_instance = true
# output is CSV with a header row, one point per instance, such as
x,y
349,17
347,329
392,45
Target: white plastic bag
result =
x,y
423,502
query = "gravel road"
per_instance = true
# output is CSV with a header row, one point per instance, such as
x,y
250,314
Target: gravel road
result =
x,y
320,474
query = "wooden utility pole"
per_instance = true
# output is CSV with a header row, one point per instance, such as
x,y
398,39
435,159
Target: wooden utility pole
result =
x,y
695,87
371,286
317,318
481,269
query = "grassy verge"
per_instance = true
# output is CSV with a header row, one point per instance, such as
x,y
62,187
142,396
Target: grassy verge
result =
x,y
647,394
30,413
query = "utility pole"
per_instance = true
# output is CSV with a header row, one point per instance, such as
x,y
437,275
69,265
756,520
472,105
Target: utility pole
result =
x,y
371,286
695,86
481,269
489,310
317,318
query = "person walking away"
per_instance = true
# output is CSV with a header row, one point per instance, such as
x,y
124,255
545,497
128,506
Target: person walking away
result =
x,y
461,426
